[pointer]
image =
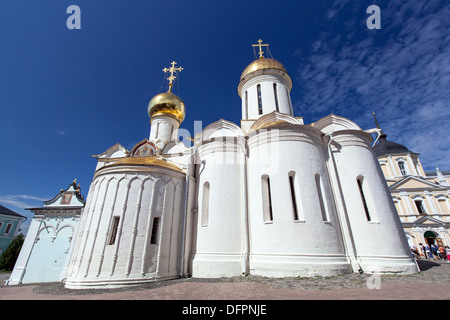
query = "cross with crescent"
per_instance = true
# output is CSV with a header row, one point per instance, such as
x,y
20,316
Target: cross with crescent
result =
x,y
260,45
172,70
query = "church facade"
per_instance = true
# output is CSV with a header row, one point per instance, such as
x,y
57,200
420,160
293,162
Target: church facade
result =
x,y
272,196
421,198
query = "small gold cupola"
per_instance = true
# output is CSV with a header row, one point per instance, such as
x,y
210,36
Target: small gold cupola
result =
x,y
167,103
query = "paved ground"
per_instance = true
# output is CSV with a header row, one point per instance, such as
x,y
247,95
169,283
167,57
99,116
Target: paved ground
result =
x,y
432,283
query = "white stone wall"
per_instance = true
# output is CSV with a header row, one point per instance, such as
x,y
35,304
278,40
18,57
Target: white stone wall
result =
x,y
46,250
218,249
137,196
379,240
284,246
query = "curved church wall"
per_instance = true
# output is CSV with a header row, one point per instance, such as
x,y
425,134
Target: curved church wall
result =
x,y
286,169
129,232
271,90
218,246
372,217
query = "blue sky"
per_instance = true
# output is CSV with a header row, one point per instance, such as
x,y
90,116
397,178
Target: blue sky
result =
x,y
66,95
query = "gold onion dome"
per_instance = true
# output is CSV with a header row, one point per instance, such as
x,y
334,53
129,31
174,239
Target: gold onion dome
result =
x,y
167,104
263,63
263,66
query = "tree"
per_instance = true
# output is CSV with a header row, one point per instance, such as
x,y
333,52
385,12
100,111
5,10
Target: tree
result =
x,y
9,257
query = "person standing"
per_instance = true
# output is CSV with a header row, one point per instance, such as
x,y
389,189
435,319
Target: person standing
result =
x,y
428,251
442,253
424,251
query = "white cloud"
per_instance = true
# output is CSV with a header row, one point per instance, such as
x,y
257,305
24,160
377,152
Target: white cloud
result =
x,y
402,73
21,201
61,132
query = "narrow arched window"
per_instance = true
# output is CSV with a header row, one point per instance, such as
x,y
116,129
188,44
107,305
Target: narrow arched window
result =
x,y
267,199
361,188
290,102
205,204
276,96
246,105
258,88
402,167
114,228
154,234
322,203
293,196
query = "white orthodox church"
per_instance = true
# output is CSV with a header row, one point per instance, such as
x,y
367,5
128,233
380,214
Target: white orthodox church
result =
x,y
272,197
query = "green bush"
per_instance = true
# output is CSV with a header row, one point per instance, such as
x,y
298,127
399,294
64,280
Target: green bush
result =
x,y
9,256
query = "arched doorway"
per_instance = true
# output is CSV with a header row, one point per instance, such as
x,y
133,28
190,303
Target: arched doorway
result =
x,y
432,238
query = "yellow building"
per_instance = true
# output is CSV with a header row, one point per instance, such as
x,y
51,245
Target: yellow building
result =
x,y
420,197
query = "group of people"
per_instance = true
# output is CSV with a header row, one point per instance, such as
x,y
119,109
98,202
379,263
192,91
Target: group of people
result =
x,y
432,252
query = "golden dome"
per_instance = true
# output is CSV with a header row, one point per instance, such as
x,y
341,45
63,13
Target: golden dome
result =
x,y
263,63
167,104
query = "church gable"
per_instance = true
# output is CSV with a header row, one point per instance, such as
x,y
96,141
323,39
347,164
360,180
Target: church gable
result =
x,y
412,182
427,220
174,147
143,149
71,197
221,128
333,123
274,118
116,151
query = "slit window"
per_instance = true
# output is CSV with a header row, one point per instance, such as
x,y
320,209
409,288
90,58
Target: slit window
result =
x,y
246,105
114,228
293,198
289,102
258,88
363,198
154,237
267,199
321,199
157,129
205,204
276,96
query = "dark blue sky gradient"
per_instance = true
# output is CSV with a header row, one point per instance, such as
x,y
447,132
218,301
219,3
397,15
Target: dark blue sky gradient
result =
x,y
68,94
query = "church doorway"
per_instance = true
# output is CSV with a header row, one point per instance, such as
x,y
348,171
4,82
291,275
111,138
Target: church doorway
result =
x,y
432,238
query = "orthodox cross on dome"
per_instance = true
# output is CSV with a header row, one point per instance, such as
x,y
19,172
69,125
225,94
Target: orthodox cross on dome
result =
x,y
172,70
260,45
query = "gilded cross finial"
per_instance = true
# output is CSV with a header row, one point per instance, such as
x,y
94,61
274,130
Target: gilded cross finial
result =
x,y
172,70
260,45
